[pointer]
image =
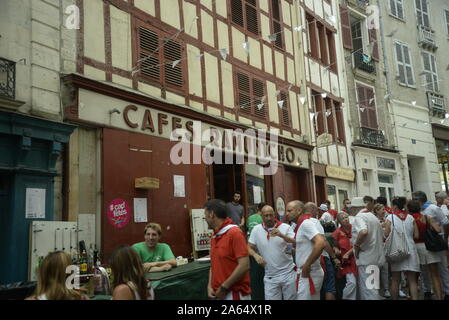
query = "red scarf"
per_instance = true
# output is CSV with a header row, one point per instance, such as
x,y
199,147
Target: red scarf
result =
x,y
278,223
388,209
401,214
301,220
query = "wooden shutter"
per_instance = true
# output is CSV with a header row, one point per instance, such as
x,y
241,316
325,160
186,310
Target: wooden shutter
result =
x,y
173,52
371,110
346,27
252,19
244,93
319,112
313,39
258,93
237,12
277,26
330,119
363,103
373,40
340,123
149,58
285,115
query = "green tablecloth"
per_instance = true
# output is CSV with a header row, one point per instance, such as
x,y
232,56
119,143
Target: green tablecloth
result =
x,y
186,282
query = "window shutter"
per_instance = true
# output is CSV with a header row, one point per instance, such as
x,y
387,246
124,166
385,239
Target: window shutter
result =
x,y
149,43
447,20
362,103
400,9
408,66
237,12
371,111
330,119
259,92
285,116
400,63
319,112
346,27
173,52
373,40
252,20
340,123
393,9
244,94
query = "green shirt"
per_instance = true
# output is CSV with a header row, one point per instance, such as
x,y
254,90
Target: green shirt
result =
x,y
253,221
162,252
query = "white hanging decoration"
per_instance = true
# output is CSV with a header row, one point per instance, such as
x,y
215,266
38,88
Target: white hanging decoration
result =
x,y
224,53
281,104
446,115
289,86
246,46
324,95
362,109
200,56
273,37
328,113
414,103
442,121
299,28
260,106
175,63
312,116
371,100
302,100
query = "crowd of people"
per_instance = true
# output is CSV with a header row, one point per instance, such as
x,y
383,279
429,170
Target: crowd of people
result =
x,y
364,252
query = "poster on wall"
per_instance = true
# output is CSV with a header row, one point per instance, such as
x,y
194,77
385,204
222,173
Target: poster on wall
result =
x,y
257,194
180,187
140,210
35,203
200,230
118,213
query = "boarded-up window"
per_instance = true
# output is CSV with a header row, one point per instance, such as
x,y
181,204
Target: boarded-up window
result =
x,y
367,107
160,59
251,95
245,14
346,27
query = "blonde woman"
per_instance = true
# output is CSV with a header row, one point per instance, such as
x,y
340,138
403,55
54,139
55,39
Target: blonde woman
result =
x,y
128,276
51,284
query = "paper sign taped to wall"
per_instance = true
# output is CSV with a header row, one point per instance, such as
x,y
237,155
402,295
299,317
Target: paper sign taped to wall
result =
x,y
140,210
179,183
35,203
257,194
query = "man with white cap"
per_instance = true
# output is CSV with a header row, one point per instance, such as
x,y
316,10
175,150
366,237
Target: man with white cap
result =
x,y
326,217
368,250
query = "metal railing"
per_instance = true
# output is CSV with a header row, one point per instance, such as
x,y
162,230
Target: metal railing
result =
x,y
436,103
372,137
7,78
364,62
427,37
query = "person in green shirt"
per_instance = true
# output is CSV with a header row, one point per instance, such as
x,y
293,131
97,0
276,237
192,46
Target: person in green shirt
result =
x,y
255,218
155,256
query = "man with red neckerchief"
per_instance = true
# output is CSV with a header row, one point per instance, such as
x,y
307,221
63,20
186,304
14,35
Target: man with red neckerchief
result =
x,y
309,246
280,274
229,270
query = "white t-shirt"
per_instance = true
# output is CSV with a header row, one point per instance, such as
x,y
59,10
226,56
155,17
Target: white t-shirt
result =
x,y
304,245
327,217
272,250
372,250
320,228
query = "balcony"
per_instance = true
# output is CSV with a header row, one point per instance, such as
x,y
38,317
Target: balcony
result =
x,y
427,38
436,104
371,137
7,79
364,62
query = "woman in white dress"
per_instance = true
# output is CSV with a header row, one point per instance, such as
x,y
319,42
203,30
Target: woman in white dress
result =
x,y
405,223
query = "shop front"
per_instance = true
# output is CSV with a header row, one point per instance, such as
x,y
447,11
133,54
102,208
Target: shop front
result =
x,y
152,154
340,185
441,135
31,151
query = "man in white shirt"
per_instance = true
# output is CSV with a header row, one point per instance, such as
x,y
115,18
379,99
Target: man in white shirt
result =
x,y
280,274
325,215
309,246
437,214
369,253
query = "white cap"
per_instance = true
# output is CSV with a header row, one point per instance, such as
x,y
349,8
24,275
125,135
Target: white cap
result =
x,y
357,202
323,207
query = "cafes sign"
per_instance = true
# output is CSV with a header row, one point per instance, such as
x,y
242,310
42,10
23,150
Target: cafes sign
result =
x,y
340,173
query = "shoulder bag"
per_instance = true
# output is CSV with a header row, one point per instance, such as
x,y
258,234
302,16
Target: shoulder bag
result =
x,y
433,240
396,247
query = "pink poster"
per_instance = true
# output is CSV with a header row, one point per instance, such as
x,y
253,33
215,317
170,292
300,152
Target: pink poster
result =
x,y
118,213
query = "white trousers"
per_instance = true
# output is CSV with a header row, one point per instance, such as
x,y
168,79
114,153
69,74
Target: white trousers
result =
x,y
369,284
237,296
304,293
281,287
350,290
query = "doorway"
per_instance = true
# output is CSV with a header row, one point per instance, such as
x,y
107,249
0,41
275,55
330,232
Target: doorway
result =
x,y
227,179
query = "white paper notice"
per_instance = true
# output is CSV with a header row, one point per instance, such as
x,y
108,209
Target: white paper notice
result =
x,y
180,188
35,203
257,195
140,210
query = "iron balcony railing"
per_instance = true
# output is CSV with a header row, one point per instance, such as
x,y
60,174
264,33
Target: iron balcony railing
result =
x,y
427,37
364,62
372,137
7,79
436,104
